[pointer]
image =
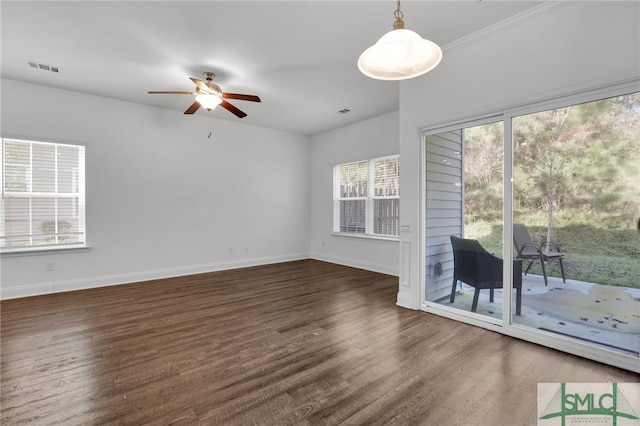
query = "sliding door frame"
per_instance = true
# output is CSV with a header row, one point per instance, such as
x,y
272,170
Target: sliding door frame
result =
x,y
505,325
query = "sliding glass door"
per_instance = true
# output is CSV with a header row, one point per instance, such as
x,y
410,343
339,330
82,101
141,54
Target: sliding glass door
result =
x,y
464,199
570,226
576,199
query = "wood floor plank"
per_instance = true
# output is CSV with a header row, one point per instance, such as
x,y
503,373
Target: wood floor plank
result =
x,y
297,343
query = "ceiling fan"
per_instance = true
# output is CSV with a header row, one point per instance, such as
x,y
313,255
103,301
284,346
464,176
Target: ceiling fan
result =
x,y
209,95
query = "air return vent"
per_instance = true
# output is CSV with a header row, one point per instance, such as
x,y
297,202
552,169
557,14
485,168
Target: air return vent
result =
x,y
43,67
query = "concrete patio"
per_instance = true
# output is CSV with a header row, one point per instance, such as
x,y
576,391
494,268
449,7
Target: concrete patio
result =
x,y
604,315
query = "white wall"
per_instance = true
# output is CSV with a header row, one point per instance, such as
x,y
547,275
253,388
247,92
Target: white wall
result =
x,y
150,168
561,48
377,137
163,199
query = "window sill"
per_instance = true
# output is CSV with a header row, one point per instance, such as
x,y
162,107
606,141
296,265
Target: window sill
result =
x,y
367,237
44,251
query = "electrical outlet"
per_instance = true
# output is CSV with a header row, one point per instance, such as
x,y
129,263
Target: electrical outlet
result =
x,y
246,249
49,266
231,250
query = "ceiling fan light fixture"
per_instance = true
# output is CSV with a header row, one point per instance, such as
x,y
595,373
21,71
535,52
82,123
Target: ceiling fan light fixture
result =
x,y
400,54
209,96
208,101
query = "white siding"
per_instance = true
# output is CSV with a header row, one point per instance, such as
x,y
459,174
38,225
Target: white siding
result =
x,y
444,208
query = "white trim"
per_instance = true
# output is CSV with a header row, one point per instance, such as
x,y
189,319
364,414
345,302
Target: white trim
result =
x,y
110,280
405,301
574,97
539,102
131,278
48,250
507,218
391,239
468,317
422,231
355,263
510,21
547,339
462,123
43,139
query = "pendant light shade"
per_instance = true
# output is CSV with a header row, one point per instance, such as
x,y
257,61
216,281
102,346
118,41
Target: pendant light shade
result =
x,y
400,54
208,101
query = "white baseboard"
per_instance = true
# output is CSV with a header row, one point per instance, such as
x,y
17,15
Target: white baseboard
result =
x,y
354,263
26,291
406,301
119,279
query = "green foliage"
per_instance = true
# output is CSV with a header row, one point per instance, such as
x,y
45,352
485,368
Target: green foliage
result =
x,y
577,168
483,158
599,248
584,157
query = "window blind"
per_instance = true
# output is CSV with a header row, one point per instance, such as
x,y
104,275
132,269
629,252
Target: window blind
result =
x,y
386,196
367,197
43,195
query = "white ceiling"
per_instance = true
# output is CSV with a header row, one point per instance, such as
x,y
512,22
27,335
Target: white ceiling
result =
x,y
298,56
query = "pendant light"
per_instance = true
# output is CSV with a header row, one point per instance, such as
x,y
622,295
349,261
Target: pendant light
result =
x,y
400,54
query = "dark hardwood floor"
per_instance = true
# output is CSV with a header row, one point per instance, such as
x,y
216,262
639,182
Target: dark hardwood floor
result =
x,y
300,343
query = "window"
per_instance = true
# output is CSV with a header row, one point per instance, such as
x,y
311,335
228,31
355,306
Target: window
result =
x,y
42,196
367,197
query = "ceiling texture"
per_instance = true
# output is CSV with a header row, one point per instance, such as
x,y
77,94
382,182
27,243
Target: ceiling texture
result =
x,y
299,57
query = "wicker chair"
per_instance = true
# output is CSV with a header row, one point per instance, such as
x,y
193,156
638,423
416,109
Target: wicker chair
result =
x,y
475,266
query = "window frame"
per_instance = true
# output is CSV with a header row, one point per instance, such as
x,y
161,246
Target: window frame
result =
x,y
77,194
369,200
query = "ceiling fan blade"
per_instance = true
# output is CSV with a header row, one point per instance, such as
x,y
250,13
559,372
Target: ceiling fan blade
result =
x,y
193,108
232,109
155,92
241,97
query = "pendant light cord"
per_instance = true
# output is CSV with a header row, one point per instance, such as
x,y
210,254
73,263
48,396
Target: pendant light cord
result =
x,y
398,12
399,23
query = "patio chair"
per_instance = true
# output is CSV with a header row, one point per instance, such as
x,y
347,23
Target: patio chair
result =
x,y
533,252
475,266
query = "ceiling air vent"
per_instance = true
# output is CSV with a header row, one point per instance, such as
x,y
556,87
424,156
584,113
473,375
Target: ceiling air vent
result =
x,y
44,67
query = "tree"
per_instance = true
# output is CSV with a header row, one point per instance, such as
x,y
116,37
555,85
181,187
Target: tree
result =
x,y
577,157
483,159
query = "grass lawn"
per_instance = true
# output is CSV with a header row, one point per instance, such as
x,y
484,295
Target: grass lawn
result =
x,y
603,249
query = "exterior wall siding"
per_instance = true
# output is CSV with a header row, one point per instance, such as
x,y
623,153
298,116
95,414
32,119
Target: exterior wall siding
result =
x,y
444,208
